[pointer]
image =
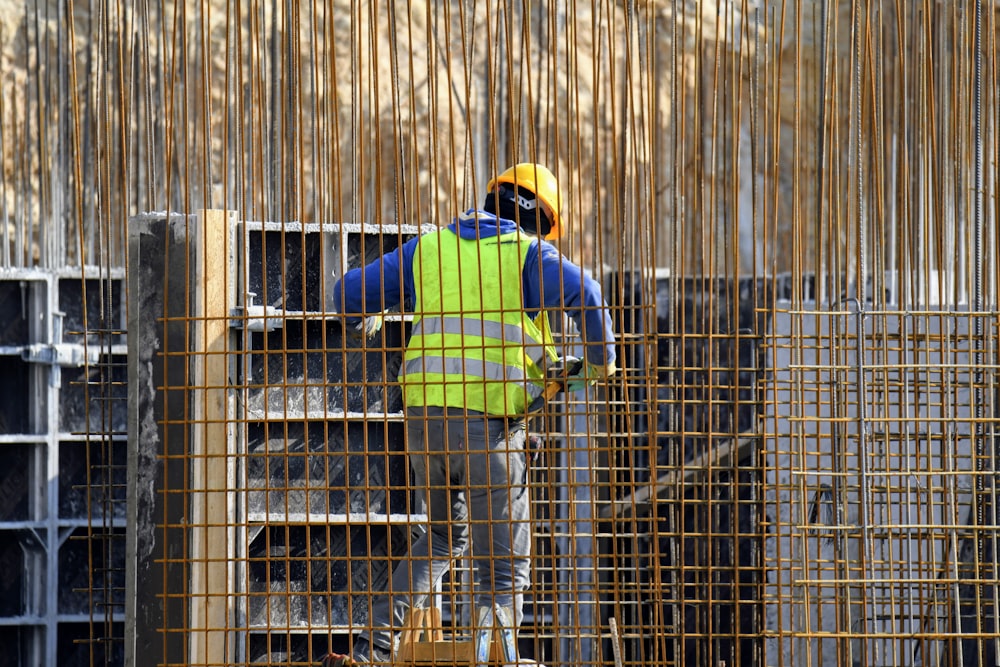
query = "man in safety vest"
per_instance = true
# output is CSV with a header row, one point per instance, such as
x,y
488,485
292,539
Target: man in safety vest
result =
x,y
475,360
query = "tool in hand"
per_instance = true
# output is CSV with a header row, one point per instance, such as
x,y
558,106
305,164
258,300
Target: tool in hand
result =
x,y
558,377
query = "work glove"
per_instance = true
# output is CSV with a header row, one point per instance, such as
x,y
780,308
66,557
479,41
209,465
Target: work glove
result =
x,y
589,374
366,328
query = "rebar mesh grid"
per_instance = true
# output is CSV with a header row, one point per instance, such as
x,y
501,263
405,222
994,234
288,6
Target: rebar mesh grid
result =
x,y
879,484
791,207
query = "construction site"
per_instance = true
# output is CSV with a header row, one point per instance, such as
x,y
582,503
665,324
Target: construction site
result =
x,y
790,208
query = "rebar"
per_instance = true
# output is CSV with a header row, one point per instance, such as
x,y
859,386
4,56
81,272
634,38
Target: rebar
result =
x,y
743,492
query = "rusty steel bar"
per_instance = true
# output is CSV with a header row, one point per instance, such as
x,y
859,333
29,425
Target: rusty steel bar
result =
x,y
737,175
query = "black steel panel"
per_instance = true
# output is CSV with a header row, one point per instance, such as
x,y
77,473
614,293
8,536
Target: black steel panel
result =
x,y
308,366
319,574
285,269
94,398
15,308
102,300
326,467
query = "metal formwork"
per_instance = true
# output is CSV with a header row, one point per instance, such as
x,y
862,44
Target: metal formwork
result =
x,y
62,489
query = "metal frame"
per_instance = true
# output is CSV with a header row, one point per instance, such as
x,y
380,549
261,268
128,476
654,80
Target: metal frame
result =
x,y
44,535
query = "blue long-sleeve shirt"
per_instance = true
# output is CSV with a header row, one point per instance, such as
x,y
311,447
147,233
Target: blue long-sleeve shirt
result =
x,y
549,282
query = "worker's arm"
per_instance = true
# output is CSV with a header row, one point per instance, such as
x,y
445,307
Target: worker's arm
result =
x,y
561,285
379,286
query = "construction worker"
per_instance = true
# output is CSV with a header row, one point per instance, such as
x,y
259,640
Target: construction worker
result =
x,y
475,360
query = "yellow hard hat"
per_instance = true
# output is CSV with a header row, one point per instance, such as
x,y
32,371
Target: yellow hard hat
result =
x,y
540,181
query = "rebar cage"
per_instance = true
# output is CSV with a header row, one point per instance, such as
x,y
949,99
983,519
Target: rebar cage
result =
x,y
790,208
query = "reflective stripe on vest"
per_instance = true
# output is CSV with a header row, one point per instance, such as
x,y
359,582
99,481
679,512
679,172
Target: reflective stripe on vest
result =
x,y
469,326
472,368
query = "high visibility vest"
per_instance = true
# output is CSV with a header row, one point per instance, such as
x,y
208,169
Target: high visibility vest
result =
x,y
471,345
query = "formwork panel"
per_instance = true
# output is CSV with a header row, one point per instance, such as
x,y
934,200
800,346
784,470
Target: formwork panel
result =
x,y
92,572
20,488
93,310
309,367
44,494
325,468
93,479
13,584
15,309
19,643
19,403
25,551
94,397
285,268
319,576
78,647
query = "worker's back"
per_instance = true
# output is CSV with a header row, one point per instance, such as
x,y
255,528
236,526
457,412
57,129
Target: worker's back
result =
x,y
472,346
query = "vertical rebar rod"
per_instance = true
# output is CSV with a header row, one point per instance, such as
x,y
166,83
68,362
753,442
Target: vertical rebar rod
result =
x,y
986,451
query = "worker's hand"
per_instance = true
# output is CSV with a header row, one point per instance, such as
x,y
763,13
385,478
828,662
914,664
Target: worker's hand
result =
x,y
370,325
589,374
364,329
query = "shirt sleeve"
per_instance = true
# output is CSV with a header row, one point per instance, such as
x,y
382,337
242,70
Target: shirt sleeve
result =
x,y
383,284
554,283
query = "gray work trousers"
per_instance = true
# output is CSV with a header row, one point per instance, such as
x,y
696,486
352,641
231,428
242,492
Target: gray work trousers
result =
x,y
473,471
